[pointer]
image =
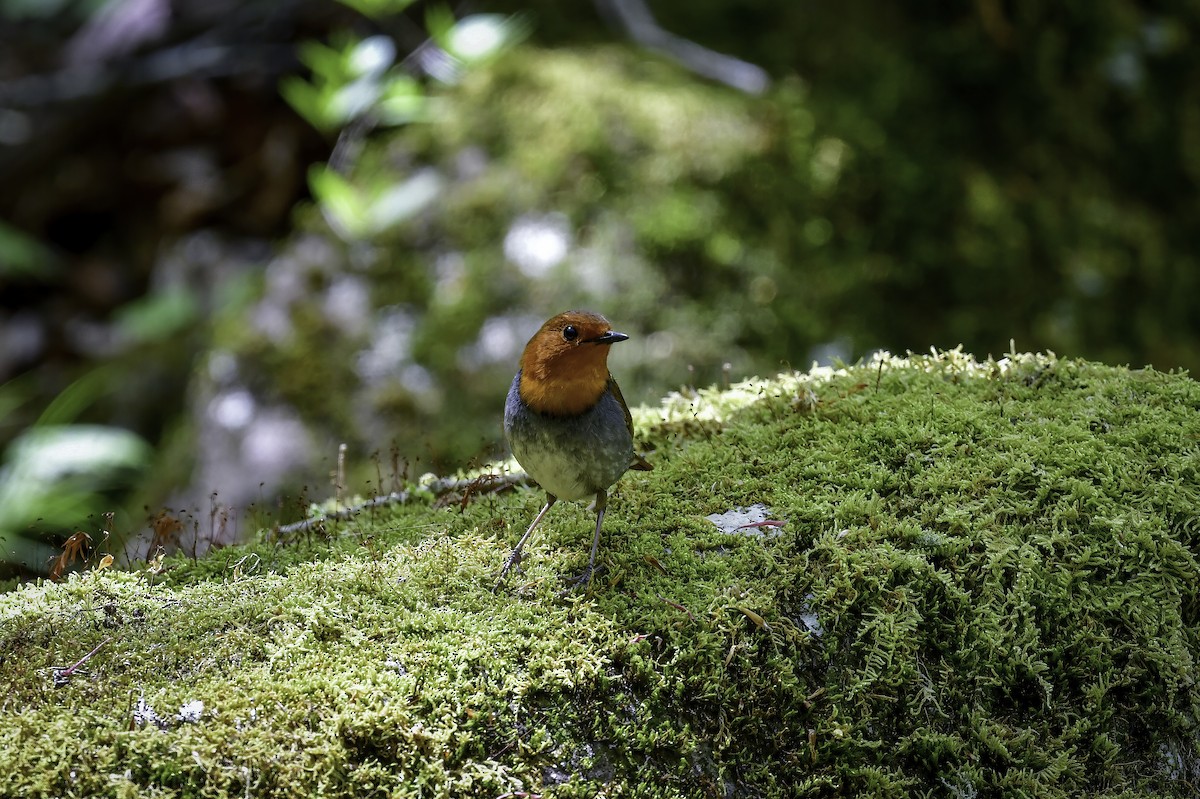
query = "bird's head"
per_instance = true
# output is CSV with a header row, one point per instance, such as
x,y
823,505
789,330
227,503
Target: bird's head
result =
x,y
564,368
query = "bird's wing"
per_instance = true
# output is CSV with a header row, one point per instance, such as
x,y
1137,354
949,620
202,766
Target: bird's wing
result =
x,y
639,463
616,392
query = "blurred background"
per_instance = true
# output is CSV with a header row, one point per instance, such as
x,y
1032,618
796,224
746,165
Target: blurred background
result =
x,y
235,235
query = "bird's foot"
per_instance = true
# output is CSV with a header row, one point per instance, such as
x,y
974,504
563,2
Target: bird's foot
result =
x,y
583,582
512,562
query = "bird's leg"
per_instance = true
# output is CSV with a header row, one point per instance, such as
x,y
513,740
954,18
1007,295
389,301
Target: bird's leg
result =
x,y
601,504
515,558
585,579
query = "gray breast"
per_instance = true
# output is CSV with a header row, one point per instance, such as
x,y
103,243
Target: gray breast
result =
x,y
571,457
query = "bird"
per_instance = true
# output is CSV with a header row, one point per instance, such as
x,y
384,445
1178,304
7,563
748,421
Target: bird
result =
x,y
566,421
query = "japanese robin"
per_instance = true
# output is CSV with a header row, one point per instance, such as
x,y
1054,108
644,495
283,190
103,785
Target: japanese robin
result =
x,y
566,421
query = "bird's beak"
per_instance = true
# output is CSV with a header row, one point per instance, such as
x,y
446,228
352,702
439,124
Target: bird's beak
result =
x,y
611,337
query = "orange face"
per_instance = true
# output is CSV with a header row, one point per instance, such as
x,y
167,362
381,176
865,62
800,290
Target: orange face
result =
x,y
564,369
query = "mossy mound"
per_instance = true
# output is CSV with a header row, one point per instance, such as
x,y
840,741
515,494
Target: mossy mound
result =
x,y
985,584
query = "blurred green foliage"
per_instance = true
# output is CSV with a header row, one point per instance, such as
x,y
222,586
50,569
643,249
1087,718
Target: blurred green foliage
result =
x,y
589,163
22,9
1009,170
59,474
351,78
22,255
917,175
358,79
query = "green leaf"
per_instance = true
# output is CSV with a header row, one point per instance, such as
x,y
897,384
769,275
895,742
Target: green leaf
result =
x,y
340,201
439,20
401,201
306,100
54,473
158,316
23,255
375,9
402,101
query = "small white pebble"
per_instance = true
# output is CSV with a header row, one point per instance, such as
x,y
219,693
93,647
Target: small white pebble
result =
x,y
192,711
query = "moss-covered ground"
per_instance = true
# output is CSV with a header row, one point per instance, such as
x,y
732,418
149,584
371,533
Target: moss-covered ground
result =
x,y
985,584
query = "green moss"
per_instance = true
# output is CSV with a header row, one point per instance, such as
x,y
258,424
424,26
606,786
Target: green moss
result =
x,y
987,584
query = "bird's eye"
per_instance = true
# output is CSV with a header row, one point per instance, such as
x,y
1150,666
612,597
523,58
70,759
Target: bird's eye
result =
x,y
570,333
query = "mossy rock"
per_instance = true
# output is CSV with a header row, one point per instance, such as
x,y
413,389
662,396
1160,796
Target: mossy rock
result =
x,y
985,583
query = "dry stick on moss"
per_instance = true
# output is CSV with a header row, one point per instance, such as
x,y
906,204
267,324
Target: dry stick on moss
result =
x,y
63,676
677,606
439,488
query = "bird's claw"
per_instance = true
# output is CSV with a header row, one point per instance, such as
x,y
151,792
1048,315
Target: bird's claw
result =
x,y
583,581
513,561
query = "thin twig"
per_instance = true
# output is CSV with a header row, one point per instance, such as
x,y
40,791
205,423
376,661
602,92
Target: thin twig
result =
x,y
63,676
677,606
438,488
